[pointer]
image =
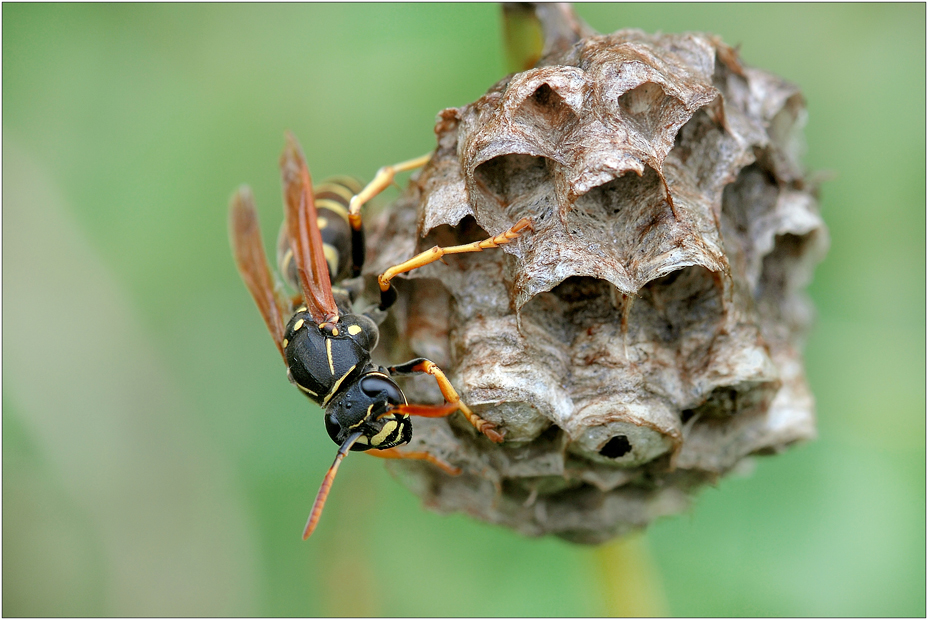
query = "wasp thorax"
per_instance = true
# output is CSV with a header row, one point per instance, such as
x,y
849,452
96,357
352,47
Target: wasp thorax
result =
x,y
323,358
645,337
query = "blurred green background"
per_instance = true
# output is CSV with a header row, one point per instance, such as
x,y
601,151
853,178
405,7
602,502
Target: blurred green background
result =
x,y
155,460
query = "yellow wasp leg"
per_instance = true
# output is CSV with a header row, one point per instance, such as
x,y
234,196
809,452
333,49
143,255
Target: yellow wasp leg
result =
x,y
450,394
393,453
380,182
435,253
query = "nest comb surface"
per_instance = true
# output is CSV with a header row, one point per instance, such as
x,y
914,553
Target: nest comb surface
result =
x,y
645,337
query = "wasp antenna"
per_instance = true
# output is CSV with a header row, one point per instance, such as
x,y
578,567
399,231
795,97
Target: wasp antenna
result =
x,y
323,493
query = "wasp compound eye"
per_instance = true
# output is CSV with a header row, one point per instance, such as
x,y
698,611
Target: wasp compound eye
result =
x,y
377,385
332,427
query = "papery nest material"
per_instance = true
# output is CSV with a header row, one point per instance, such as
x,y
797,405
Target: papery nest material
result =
x,y
645,338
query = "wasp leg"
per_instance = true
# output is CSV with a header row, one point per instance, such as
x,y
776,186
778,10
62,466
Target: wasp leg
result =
x,y
428,367
424,411
388,293
394,453
381,181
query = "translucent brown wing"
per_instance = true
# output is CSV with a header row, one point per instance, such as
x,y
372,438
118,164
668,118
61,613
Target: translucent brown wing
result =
x,y
305,238
248,249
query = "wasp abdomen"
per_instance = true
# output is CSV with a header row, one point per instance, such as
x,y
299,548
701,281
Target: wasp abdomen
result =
x,y
331,198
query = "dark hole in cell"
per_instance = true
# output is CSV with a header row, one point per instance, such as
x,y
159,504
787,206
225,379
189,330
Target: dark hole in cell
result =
x,y
664,281
581,289
509,176
643,107
546,97
616,447
546,111
778,265
685,301
549,435
466,231
631,197
750,197
722,403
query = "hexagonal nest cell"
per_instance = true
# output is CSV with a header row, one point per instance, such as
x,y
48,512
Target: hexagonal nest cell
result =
x,y
644,338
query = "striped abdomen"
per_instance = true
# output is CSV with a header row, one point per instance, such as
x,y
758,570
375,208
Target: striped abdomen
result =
x,y
331,198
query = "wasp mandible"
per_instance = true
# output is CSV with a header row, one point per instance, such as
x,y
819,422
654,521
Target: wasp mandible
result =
x,y
325,346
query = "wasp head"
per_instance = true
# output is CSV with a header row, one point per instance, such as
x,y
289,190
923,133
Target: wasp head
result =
x,y
365,407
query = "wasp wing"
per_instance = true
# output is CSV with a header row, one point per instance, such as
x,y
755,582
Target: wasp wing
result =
x,y
248,249
305,238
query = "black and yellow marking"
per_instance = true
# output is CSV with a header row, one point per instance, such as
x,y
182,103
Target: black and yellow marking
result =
x,y
332,258
307,390
286,267
344,187
327,349
331,198
364,419
388,434
328,353
323,357
333,206
336,386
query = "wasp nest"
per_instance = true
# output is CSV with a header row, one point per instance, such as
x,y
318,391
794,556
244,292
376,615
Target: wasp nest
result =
x,y
644,338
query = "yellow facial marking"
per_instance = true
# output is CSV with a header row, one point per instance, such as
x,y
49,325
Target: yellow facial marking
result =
x,y
285,343
364,419
354,330
385,432
298,325
334,331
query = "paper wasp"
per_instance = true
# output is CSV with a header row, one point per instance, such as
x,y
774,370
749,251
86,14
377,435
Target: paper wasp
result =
x,y
324,344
